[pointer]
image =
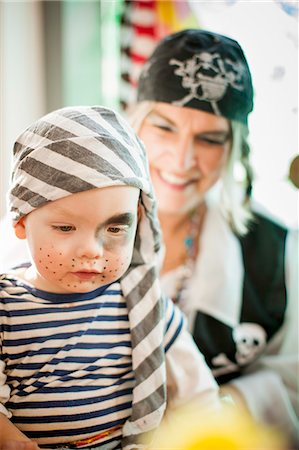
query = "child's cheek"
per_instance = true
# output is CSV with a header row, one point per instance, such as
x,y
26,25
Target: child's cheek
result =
x,y
50,262
57,265
118,256
116,264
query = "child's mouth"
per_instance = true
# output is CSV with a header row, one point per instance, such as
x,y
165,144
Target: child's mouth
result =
x,y
85,275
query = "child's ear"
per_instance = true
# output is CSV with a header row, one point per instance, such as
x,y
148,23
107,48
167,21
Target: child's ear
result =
x,y
20,229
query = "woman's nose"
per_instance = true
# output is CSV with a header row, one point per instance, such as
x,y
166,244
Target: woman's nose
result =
x,y
183,155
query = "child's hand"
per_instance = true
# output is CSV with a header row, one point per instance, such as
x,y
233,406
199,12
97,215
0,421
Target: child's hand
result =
x,y
19,445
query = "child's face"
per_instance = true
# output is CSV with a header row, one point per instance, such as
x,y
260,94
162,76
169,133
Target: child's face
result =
x,y
82,241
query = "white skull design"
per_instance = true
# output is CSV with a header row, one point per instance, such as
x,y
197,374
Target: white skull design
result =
x,y
210,73
250,339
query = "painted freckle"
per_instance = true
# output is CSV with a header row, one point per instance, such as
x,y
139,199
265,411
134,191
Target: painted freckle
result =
x,y
60,264
73,265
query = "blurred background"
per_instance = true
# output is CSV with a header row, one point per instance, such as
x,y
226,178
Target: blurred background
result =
x,y
61,53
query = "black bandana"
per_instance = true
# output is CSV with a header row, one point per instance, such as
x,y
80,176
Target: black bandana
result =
x,y
202,70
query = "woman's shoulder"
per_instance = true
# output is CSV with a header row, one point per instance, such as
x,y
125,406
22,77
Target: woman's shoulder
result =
x,y
264,253
265,232
263,221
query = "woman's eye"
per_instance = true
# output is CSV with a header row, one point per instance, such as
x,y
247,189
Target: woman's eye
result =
x,y
212,140
161,125
164,127
64,228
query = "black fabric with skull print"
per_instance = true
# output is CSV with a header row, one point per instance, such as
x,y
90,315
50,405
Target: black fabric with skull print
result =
x,y
229,350
202,70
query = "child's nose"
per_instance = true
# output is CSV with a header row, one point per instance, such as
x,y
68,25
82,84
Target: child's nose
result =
x,y
90,248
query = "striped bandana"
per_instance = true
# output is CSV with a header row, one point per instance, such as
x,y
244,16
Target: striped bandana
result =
x,y
80,148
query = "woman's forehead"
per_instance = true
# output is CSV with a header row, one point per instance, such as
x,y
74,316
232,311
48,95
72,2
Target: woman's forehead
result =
x,y
178,116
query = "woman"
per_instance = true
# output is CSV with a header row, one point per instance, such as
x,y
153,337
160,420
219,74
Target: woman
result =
x,y
226,266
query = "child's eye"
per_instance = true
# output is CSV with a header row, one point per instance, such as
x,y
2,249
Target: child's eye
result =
x,y
120,230
64,228
115,230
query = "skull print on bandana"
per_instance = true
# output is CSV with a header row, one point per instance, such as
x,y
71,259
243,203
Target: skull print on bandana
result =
x,y
201,70
207,77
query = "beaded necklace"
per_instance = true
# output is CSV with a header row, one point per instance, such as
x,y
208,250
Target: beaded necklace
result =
x,y
185,271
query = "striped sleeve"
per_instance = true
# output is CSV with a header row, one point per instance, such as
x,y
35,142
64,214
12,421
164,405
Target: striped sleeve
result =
x,y
4,391
4,388
174,322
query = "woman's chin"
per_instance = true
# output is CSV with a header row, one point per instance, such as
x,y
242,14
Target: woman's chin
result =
x,y
178,206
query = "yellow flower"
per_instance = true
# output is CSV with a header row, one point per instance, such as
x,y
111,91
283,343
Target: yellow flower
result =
x,y
230,429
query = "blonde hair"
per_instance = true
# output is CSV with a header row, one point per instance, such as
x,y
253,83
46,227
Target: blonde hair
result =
x,y
234,196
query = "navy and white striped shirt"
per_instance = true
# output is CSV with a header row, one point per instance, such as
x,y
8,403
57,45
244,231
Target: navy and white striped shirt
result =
x,y
67,358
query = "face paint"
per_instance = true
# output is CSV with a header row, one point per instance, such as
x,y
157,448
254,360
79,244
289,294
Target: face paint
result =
x,y
82,241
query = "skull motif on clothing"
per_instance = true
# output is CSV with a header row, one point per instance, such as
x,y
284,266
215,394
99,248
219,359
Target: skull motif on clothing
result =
x,y
250,340
207,76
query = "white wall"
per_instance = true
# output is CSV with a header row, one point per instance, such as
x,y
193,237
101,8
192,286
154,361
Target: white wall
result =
x,y
22,77
269,37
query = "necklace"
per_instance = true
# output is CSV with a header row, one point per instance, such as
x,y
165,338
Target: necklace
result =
x,y
184,272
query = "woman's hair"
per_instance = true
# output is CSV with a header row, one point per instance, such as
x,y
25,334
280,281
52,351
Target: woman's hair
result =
x,y
235,194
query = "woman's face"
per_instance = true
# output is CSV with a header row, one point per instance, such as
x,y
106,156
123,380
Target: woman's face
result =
x,y
187,150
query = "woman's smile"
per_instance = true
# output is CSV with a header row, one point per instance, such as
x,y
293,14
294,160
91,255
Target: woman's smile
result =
x,y
175,181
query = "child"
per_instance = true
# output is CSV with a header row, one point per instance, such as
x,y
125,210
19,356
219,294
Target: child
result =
x,y
89,346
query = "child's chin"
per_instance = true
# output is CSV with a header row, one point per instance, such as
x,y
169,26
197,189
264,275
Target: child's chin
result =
x,y
81,288
84,288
